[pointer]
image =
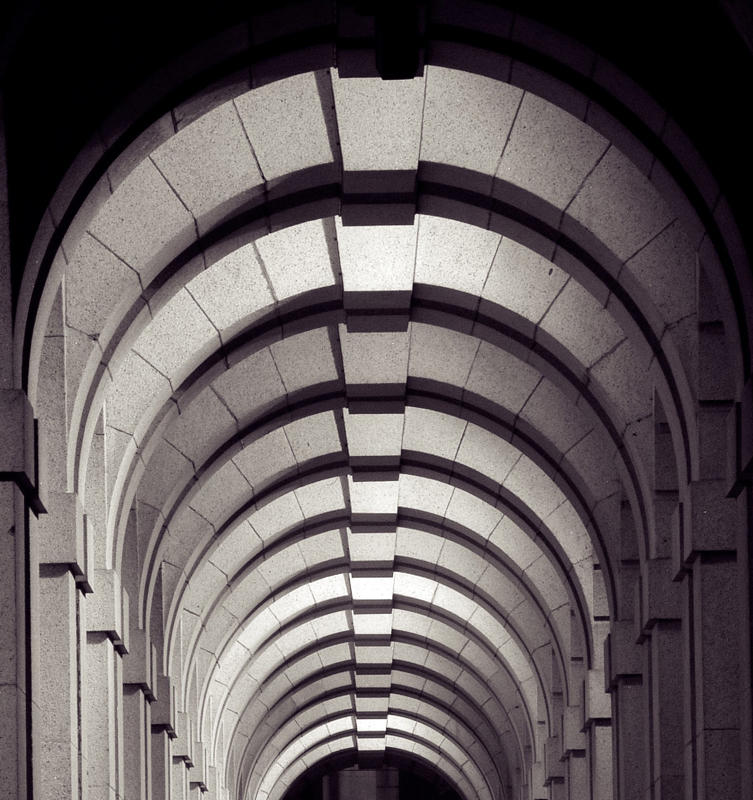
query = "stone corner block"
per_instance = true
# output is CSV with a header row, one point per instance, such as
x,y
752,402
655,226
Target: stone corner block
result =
x,y
709,520
554,768
107,610
183,744
597,704
573,739
658,596
622,656
19,446
64,538
198,774
740,442
163,708
137,664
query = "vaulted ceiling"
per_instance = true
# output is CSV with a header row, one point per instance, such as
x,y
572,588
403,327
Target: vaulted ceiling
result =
x,y
361,392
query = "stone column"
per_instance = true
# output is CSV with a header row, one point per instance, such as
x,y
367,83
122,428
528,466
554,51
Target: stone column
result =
x,y
19,495
658,615
713,656
577,784
13,645
57,734
137,746
139,667
103,715
600,749
628,701
182,754
106,642
597,726
663,668
162,734
745,618
6,310
198,775
64,570
739,483
180,776
624,676
576,780
706,561
161,764
14,713
708,532
554,768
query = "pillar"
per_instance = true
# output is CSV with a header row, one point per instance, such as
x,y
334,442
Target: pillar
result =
x,y
600,748
18,581
180,775
161,764
745,622
664,665
624,677
137,749
712,654
106,642
577,784
64,570
739,484
14,713
103,715
597,726
14,716
162,733
706,535
708,530
19,498
57,734
139,668
183,744
659,626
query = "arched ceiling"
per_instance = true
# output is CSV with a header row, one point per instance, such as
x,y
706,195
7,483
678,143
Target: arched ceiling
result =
x,y
356,401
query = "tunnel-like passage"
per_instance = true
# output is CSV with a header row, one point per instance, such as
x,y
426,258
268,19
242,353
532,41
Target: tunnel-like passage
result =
x,y
380,438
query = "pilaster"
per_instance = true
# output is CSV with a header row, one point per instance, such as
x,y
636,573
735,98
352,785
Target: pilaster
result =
x,y
137,744
624,676
103,708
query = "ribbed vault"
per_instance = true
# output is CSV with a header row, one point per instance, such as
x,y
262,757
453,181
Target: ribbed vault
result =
x,y
362,386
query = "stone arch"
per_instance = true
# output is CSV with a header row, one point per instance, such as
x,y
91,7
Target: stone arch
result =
x,y
577,240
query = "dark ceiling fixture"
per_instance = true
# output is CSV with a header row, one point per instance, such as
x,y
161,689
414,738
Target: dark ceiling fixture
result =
x,y
398,39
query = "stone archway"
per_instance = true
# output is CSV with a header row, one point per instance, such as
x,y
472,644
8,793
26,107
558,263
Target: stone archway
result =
x,y
384,424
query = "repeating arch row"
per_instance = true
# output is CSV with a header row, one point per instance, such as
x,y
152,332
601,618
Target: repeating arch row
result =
x,y
131,384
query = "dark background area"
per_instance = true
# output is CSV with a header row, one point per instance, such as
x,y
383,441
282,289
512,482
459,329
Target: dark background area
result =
x,y
65,66
415,783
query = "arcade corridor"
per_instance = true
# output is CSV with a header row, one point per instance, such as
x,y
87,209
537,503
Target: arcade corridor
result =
x,y
375,392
